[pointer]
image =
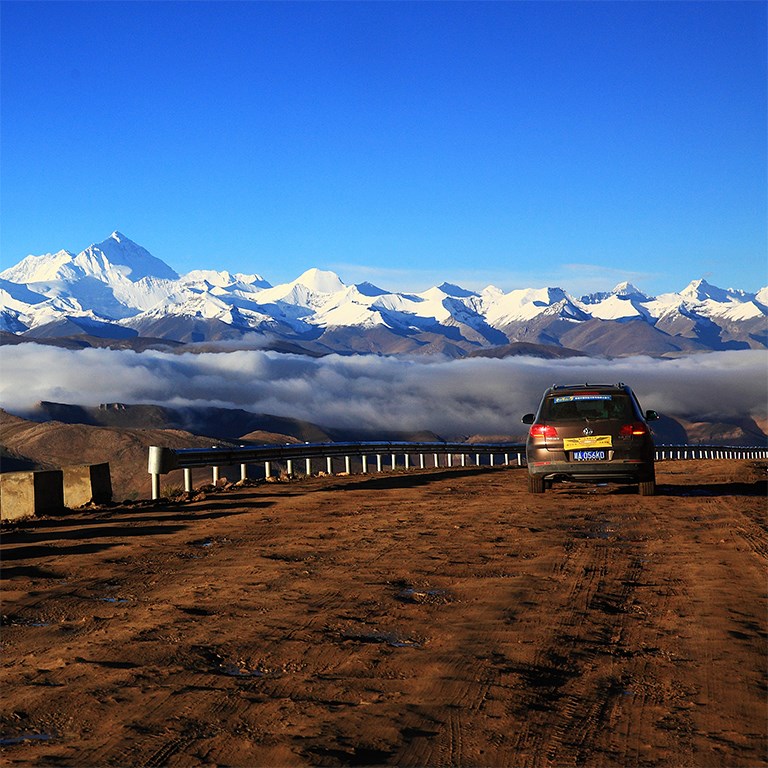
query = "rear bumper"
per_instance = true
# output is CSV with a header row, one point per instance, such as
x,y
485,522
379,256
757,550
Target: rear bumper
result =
x,y
617,470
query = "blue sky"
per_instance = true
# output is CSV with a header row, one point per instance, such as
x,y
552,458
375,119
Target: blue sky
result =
x,y
516,143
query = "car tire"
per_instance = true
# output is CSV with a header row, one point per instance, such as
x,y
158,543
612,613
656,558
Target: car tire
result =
x,y
647,488
535,484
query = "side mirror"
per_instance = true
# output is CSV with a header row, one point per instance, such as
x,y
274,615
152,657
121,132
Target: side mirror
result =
x,y
651,415
529,418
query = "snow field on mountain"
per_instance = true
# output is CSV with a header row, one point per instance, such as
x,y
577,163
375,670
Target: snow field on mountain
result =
x,y
119,282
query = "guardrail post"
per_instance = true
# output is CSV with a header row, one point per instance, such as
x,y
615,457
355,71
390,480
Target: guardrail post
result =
x,y
449,457
365,464
394,462
463,459
421,461
267,470
160,461
187,479
477,459
347,468
243,472
308,467
407,461
519,459
490,459
378,462
289,467
215,473
329,464
437,461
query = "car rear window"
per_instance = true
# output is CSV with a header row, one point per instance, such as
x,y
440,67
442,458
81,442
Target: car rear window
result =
x,y
587,406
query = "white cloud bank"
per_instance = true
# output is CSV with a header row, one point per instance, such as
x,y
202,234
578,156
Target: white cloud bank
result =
x,y
450,397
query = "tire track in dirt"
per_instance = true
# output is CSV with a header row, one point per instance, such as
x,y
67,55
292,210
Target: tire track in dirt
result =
x,y
566,696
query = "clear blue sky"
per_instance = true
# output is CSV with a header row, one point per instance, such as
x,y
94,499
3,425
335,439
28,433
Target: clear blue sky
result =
x,y
516,143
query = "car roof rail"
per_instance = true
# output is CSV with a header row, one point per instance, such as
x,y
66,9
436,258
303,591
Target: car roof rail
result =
x,y
620,385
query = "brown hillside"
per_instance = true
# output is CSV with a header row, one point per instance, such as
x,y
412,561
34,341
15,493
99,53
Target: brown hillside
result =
x,y
52,444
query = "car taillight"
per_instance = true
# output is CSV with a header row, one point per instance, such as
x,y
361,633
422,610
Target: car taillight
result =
x,y
543,430
638,428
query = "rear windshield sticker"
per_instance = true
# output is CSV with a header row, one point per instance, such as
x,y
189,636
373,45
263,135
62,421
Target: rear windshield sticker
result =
x,y
572,398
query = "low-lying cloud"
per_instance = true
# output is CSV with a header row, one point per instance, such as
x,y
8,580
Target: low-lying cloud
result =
x,y
449,397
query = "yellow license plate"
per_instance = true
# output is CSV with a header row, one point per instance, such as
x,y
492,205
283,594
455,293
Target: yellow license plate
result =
x,y
593,441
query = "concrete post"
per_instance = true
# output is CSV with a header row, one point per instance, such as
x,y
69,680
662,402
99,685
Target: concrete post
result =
x,y
23,494
85,483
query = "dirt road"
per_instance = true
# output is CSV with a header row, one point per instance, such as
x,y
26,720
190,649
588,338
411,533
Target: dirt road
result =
x,y
441,618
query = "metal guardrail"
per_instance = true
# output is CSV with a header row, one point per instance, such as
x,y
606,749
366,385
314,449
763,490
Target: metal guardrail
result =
x,y
669,452
164,460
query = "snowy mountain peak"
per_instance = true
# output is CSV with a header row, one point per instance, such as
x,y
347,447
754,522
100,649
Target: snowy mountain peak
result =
x,y
624,290
223,279
701,290
371,290
33,269
320,281
132,260
455,290
627,289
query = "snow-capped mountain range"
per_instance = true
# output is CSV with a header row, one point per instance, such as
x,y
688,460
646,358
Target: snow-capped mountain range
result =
x,y
118,290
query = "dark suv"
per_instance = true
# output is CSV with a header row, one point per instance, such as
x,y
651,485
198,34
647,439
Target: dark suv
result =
x,y
590,433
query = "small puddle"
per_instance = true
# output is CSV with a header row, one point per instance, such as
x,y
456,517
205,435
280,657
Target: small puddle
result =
x,y
112,599
8,741
385,638
413,595
18,621
207,543
233,670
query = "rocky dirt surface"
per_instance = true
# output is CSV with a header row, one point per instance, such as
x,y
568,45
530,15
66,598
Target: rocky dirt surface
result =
x,y
437,618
